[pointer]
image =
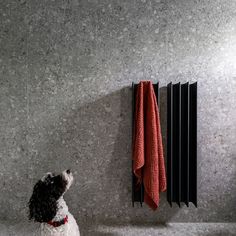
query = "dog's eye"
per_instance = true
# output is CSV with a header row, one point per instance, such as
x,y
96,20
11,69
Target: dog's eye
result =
x,y
52,182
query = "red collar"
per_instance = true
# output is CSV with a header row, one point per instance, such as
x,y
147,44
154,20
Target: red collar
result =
x,y
58,223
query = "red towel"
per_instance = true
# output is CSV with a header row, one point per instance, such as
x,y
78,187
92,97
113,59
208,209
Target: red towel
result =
x,y
148,158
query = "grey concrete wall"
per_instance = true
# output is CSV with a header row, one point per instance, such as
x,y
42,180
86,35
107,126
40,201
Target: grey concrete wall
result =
x,y
65,99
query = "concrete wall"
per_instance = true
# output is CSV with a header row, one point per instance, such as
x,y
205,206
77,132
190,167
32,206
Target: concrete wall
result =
x,y
65,99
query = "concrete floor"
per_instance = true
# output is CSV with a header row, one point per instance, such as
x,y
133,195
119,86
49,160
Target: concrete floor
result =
x,y
177,229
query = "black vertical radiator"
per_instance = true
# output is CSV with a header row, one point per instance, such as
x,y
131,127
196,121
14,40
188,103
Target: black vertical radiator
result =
x,y
182,143
181,156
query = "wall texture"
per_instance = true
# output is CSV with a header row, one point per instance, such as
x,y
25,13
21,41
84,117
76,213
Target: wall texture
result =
x,y
65,99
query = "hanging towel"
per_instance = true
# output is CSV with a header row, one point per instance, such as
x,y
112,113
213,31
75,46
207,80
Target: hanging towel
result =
x,y
148,159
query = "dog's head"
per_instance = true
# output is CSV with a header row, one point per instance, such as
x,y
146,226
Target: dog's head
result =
x,y
43,202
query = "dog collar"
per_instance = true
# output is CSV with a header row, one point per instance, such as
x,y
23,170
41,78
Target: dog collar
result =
x,y
58,223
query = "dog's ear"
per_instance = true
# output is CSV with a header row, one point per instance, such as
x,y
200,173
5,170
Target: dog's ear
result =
x,y
42,205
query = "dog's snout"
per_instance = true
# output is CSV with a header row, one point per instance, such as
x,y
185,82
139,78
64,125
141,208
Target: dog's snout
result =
x,y
68,171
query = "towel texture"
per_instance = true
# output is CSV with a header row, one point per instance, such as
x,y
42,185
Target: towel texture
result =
x,y
148,159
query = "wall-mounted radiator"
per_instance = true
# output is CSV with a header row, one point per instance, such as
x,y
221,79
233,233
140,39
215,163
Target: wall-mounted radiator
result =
x,y
181,144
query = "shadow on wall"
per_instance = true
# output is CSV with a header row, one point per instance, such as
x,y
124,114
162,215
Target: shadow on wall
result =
x,y
121,163
113,199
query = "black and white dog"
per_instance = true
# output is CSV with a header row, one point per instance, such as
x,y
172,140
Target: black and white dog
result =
x,y
48,207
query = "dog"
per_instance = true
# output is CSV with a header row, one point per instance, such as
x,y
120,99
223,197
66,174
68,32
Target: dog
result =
x,y
48,207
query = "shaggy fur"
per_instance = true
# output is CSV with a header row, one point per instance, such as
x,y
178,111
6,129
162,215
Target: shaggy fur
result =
x,y
47,204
